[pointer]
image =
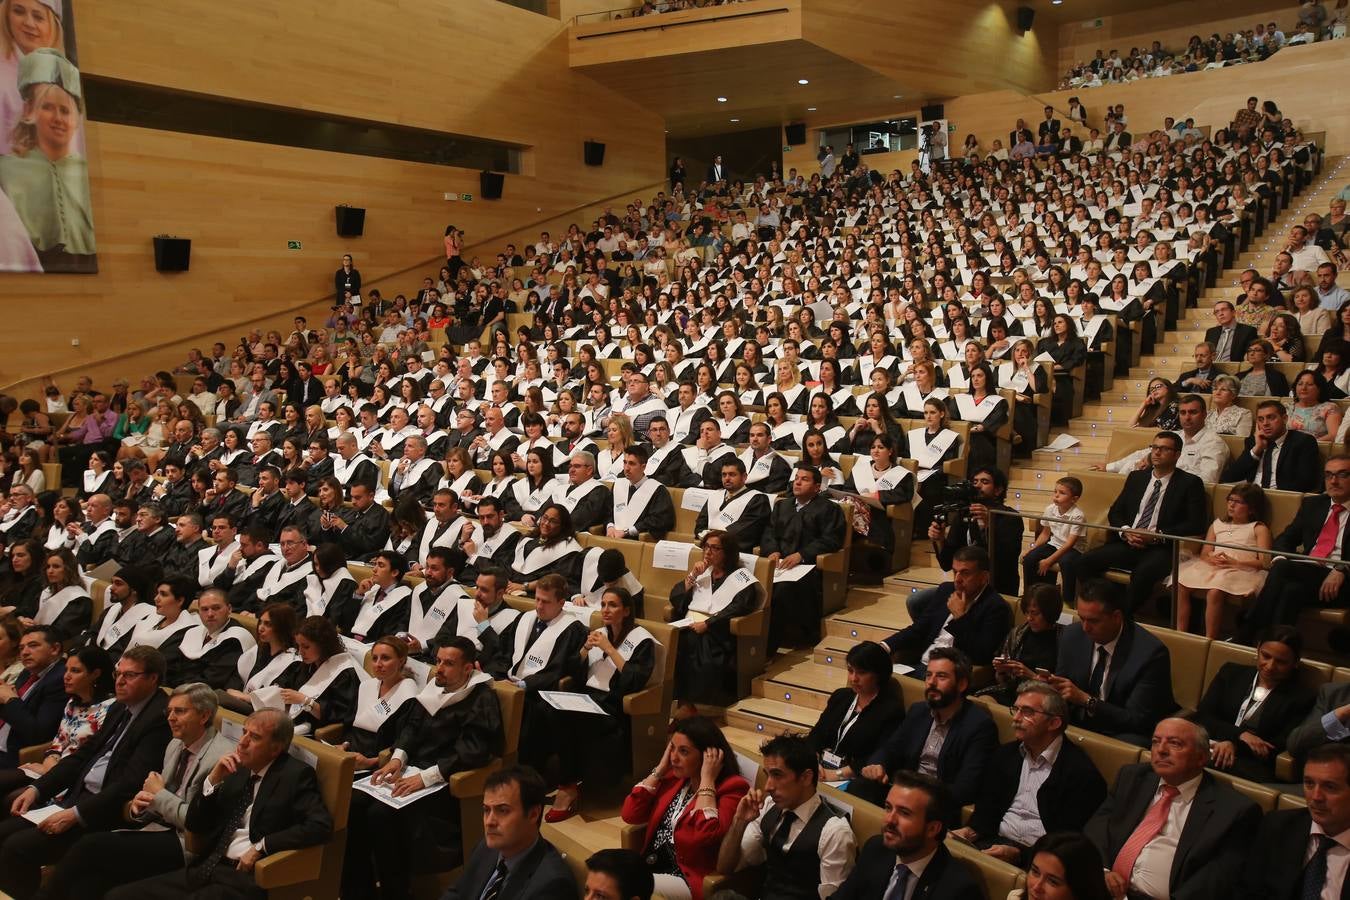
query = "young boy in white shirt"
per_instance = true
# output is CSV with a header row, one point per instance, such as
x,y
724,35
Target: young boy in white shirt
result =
x,y
1056,542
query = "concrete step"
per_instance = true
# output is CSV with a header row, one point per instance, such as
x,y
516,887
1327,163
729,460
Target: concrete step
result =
x,y
760,715
806,683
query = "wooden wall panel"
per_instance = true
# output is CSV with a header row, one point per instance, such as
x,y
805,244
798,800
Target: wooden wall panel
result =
x,y
1173,24
476,67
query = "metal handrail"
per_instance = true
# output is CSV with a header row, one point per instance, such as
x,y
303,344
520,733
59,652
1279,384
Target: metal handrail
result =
x,y
1175,540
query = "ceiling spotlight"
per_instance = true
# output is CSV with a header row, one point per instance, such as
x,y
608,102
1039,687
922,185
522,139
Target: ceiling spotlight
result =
x,y
810,109
803,81
897,97
721,99
1056,2
735,120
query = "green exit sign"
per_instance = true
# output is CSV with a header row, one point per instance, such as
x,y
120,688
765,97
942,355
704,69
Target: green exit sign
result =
x,y
293,245
467,198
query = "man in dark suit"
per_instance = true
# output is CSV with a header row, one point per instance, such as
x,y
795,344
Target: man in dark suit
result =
x,y
801,528
1229,338
1291,855
31,708
262,785
1160,499
1019,134
265,505
95,781
1114,674
1036,784
965,613
513,862
1276,457
919,810
1118,140
1321,528
222,499
945,736
1200,380
362,528
1169,829
716,172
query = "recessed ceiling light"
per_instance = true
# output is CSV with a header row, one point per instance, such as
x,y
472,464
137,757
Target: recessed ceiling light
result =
x,y
803,81
721,99
1056,2
810,109
735,120
897,97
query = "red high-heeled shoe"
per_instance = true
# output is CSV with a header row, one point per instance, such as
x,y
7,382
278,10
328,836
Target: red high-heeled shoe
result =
x,y
554,816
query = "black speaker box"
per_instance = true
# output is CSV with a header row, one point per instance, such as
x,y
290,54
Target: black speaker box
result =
x,y
931,113
172,254
1025,16
351,221
490,185
795,134
595,153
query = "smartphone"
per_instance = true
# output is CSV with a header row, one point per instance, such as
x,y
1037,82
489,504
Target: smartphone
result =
x,y
1044,673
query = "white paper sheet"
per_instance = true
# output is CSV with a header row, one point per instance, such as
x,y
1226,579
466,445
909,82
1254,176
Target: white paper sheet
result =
x,y
264,697
1063,442
40,815
695,499
384,792
796,573
572,701
1043,357
672,555
901,669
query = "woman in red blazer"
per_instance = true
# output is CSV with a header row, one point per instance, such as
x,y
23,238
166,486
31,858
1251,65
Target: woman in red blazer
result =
x,y
687,803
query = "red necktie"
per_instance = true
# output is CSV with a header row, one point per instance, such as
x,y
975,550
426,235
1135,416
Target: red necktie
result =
x,y
1149,827
1326,538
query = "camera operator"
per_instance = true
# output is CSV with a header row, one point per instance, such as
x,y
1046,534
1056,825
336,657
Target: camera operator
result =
x,y
969,525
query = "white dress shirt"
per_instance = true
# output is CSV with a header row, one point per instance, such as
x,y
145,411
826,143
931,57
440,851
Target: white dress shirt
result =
x,y
1152,872
1022,822
1152,523
1338,861
835,849
239,841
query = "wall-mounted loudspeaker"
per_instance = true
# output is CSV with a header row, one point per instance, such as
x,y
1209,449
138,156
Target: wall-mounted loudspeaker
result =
x,y
931,113
794,135
172,254
1025,16
490,185
351,221
595,153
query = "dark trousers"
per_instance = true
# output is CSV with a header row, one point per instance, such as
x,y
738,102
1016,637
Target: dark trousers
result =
x,y
101,861
578,740
1147,567
227,883
383,843
1068,570
24,851
794,618
1289,587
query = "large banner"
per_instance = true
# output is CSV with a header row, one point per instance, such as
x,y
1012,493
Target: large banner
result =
x,y
46,224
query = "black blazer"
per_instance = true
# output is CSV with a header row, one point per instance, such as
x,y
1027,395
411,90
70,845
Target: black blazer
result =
x,y
138,754
1184,504
1243,335
945,878
1210,374
1067,799
541,875
817,529
966,751
288,811
1281,711
877,720
978,633
1300,535
33,718
1211,846
1298,468
1138,686
1275,860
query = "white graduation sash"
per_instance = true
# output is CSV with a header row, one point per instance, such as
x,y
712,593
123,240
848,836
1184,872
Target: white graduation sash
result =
x,y
499,486
728,429
435,698
495,441
601,669
448,538
196,642
680,420
268,673
524,665
424,626
1010,376
608,465
487,546
710,602
93,482
696,457
531,556
792,393
148,634
119,622
756,470
229,456
51,605
208,571
914,400
372,710
371,611
571,495
532,500
248,568
414,472
629,507
795,430
591,584
866,480
867,363
929,455
323,676
833,435
103,528
722,516
461,484
343,469
976,412
466,626
278,579
659,456
319,593
1087,330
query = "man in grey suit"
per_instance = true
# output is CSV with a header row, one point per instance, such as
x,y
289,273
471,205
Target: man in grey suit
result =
x,y
101,861
513,862
1329,721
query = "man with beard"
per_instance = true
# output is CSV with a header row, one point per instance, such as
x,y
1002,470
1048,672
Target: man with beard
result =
x,y
944,736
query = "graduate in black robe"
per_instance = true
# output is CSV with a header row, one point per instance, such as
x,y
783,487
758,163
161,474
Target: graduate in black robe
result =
x,y
716,590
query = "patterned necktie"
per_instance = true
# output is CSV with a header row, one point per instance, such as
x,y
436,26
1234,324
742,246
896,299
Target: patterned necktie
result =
x,y
1315,872
232,824
1146,514
899,882
494,886
1149,827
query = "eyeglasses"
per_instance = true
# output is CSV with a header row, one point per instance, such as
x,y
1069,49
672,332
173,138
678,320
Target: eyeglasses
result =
x,y
127,676
1025,711
551,519
1338,474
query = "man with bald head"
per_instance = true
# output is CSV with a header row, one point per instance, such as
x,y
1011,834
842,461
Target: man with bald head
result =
x,y
96,536
1169,829
415,476
495,436
352,467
